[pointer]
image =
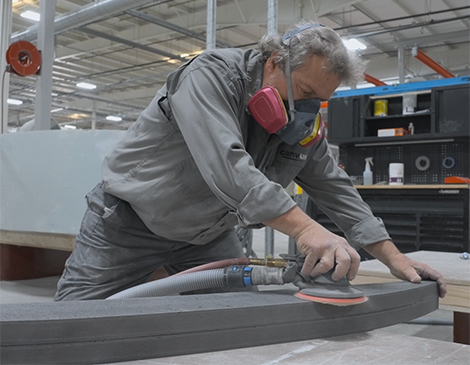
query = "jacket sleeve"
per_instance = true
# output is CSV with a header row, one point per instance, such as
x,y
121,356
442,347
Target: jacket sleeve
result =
x,y
332,191
207,102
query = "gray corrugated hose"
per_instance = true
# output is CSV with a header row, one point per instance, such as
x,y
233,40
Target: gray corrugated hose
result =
x,y
174,285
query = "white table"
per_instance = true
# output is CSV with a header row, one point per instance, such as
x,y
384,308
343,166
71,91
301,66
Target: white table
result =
x,y
455,270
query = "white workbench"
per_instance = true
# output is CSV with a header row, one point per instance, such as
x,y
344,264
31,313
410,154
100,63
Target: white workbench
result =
x,y
456,272
372,348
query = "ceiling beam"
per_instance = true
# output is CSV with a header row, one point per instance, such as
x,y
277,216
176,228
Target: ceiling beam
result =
x,y
410,26
83,16
435,38
375,19
409,12
173,27
129,43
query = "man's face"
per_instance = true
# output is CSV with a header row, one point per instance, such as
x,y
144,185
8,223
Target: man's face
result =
x,y
309,81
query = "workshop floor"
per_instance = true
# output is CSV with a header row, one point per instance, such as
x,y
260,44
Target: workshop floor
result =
x,y
42,290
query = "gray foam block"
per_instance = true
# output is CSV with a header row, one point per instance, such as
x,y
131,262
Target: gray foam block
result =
x,y
101,331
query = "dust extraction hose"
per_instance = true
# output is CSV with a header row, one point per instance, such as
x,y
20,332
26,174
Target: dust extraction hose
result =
x,y
232,276
174,285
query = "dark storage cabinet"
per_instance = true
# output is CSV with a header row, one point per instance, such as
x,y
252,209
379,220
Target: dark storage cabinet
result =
x,y
346,114
425,213
452,110
440,112
433,218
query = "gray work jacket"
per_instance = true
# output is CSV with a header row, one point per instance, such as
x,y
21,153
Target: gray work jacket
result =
x,y
196,163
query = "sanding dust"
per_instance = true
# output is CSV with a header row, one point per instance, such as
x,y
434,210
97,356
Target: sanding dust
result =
x,y
290,354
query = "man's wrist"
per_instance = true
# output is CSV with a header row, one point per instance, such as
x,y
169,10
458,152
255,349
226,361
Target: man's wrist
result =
x,y
292,223
385,251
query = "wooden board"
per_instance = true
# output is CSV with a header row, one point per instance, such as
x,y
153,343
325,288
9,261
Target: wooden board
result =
x,y
53,241
31,255
22,263
410,186
456,271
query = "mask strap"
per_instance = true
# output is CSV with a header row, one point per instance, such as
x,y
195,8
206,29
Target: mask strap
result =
x,y
290,89
286,39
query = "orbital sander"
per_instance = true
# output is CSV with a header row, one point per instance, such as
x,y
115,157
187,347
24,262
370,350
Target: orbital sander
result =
x,y
253,271
322,288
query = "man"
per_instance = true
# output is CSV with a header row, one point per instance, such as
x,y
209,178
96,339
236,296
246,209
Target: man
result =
x,y
196,163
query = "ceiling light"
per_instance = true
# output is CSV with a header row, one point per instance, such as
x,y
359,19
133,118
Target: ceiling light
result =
x,y
14,102
113,118
31,15
69,126
184,55
170,60
86,85
78,115
353,44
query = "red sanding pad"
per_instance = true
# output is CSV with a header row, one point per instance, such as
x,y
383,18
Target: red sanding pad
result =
x,y
332,301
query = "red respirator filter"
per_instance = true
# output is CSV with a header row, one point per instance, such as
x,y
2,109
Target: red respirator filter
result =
x,y
268,109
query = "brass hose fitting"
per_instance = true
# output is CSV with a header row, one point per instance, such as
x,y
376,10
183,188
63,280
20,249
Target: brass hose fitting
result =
x,y
268,262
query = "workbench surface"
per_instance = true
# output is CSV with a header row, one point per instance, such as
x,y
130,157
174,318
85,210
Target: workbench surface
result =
x,y
372,348
455,270
413,186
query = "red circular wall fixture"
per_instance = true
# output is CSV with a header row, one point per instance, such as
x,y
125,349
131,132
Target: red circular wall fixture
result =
x,y
24,58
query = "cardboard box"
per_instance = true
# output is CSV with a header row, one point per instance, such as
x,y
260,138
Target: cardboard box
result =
x,y
390,132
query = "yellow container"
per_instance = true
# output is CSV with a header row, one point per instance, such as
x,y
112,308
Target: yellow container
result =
x,y
381,108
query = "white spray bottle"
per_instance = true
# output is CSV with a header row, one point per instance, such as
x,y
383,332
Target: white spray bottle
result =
x,y
368,175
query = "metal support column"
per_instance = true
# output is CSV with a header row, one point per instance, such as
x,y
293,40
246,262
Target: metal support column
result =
x,y
93,119
211,22
302,201
268,242
5,20
42,110
272,17
401,64
272,30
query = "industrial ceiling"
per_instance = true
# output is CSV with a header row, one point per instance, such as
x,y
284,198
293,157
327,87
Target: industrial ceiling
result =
x,y
127,52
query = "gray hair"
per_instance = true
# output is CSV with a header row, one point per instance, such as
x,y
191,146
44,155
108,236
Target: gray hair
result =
x,y
319,41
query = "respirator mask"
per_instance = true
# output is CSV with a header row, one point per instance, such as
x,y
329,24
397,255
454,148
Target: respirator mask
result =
x,y
294,121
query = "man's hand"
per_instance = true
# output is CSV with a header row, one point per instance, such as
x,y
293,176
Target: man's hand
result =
x,y
322,248
406,269
403,267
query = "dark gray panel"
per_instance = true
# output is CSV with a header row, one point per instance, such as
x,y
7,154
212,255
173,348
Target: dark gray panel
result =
x,y
131,329
343,118
454,110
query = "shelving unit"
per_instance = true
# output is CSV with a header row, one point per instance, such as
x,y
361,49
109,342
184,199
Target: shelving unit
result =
x,y
421,119
441,111
422,214
441,129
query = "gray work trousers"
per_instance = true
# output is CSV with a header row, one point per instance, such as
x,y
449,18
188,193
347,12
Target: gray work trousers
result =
x,y
114,251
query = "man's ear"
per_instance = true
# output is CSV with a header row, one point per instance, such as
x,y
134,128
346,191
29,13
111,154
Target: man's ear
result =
x,y
270,65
